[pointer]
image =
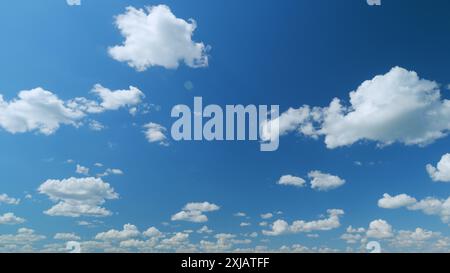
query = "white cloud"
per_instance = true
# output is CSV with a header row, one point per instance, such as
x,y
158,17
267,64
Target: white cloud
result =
x,y
374,2
155,37
245,224
394,202
77,197
152,232
204,229
95,125
408,239
129,231
113,100
266,215
66,237
442,171
82,170
4,198
240,214
155,133
324,182
280,227
379,229
428,205
73,2
194,212
290,180
10,219
39,110
23,236
111,171
36,110
395,107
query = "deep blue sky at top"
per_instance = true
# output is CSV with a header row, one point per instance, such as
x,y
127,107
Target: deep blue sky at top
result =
x,y
263,52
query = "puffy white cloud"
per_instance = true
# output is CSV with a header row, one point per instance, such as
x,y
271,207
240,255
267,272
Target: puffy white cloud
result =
x,y
300,120
324,182
245,224
194,212
23,236
4,198
379,229
113,100
395,107
442,171
204,229
266,215
129,231
155,133
428,205
407,238
36,110
289,180
39,110
77,197
73,2
82,170
394,202
66,237
155,37
434,206
152,232
280,227
10,219
224,242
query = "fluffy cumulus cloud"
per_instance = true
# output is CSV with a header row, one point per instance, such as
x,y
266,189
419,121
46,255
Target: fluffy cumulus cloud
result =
x,y
379,229
39,110
36,110
155,133
442,171
325,182
194,212
394,202
23,236
395,107
73,2
82,170
290,180
10,219
156,37
428,205
281,227
129,231
77,197
4,198
113,100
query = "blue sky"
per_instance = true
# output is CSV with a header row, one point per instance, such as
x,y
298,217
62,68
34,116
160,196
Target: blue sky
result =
x,y
264,53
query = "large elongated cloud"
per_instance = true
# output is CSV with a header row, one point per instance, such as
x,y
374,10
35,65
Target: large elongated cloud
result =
x,y
280,227
36,110
395,107
42,111
428,205
77,197
156,37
